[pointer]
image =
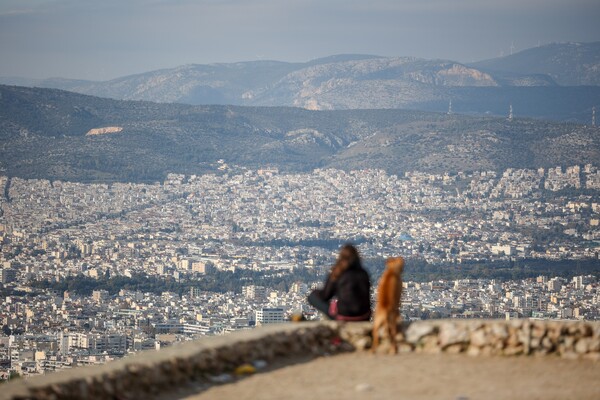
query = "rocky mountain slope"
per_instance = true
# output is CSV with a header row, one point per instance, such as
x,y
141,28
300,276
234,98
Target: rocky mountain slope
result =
x,y
44,134
372,82
568,64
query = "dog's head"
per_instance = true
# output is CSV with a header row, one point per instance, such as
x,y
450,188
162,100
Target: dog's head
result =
x,y
395,264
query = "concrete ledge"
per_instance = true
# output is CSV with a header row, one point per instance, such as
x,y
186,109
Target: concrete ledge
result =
x,y
150,373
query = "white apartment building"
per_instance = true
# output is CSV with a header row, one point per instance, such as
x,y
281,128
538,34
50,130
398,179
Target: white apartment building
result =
x,y
266,315
254,292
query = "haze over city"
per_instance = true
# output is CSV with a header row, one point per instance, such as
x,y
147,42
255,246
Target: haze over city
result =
x,y
100,40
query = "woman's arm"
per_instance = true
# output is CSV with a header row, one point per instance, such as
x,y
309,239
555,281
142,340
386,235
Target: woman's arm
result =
x,y
329,290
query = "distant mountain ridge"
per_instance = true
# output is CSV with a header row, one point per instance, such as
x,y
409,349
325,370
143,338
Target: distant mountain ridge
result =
x,y
54,134
350,81
568,64
257,82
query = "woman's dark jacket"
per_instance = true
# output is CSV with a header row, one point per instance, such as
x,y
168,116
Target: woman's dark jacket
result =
x,y
352,289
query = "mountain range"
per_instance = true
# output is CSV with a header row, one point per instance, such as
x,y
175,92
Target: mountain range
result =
x,y
567,64
55,134
556,81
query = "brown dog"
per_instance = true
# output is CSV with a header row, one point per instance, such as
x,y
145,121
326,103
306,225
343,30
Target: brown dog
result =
x,y
387,310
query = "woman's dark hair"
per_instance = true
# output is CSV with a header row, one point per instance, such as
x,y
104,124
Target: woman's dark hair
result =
x,y
347,258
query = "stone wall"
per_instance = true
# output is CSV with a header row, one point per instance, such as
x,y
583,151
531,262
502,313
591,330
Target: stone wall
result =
x,y
218,359
567,339
148,374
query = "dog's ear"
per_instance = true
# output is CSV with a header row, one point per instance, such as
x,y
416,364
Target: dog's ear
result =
x,y
389,263
395,264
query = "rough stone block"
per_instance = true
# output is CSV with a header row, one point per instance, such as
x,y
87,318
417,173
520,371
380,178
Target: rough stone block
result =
x,y
416,331
583,345
499,331
452,334
479,338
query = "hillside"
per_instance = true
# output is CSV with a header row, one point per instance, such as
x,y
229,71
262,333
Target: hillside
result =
x,y
278,83
44,134
372,82
569,64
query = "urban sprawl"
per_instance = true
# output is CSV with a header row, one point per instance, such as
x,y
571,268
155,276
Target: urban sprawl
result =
x,y
188,228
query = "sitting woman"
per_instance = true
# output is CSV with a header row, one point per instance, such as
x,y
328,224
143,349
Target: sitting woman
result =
x,y
349,283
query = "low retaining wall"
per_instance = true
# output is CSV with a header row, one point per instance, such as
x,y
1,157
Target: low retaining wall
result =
x,y
150,373
567,339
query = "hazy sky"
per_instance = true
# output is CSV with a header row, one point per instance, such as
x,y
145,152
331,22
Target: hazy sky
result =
x,y
103,39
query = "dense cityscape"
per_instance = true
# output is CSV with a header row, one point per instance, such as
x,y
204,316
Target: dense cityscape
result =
x,y
302,199
239,248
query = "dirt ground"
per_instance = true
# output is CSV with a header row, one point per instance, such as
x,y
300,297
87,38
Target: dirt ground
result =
x,y
418,376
